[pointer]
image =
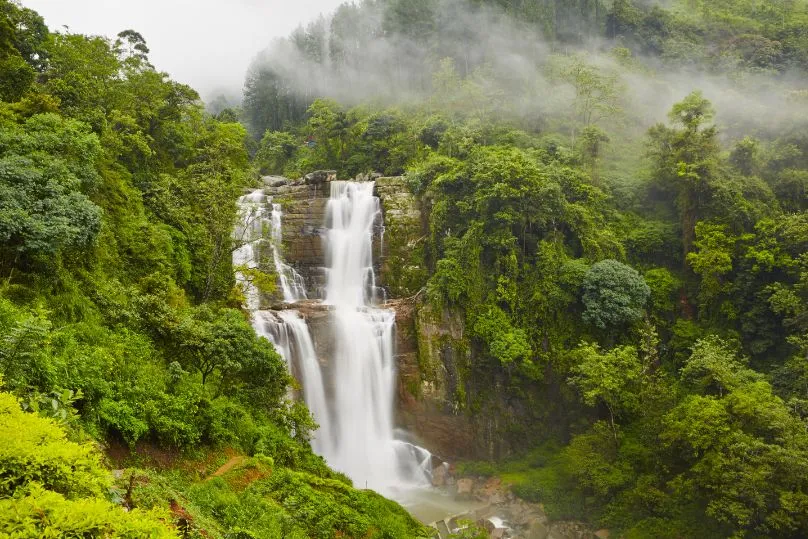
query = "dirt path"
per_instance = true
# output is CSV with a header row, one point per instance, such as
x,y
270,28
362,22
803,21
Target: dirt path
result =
x,y
229,465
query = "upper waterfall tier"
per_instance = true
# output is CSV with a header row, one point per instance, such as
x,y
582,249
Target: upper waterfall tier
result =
x,y
352,213
258,214
248,235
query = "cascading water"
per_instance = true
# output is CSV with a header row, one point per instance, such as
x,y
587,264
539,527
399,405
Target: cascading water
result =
x,y
248,235
362,442
250,232
310,373
258,214
355,408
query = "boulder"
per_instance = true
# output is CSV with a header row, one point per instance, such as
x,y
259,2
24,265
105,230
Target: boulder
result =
x,y
602,534
319,177
439,475
275,181
491,492
465,488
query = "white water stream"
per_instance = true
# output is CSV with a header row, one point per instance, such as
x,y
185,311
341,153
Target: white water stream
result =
x,y
362,442
355,406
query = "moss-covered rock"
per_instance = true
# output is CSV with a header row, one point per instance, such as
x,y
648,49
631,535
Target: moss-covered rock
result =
x,y
404,270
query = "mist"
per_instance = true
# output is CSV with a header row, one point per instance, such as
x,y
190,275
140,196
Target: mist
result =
x,y
207,43
361,55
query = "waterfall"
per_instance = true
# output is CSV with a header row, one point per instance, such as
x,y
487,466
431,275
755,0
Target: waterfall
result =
x,y
248,235
355,406
257,214
363,444
351,215
288,331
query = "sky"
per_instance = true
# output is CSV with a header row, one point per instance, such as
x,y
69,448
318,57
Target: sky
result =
x,y
205,43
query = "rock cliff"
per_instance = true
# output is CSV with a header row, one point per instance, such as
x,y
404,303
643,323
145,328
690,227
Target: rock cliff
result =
x,y
303,203
431,351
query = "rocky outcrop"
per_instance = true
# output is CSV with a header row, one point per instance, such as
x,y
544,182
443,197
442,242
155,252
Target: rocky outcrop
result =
x,y
320,177
403,264
428,350
303,204
275,181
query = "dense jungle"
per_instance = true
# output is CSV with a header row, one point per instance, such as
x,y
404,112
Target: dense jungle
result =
x,y
613,212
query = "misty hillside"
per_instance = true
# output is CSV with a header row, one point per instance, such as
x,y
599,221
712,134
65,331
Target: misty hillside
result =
x,y
508,52
453,268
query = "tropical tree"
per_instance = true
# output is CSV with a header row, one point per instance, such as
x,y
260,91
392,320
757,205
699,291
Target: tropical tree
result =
x,y
610,378
614,295
47,167
686,161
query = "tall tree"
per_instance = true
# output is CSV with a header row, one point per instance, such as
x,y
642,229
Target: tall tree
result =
x,y
685,159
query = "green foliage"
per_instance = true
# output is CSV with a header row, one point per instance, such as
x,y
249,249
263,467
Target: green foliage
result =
x,y
732,445
713,368
596,97
224,343
268,501
614,295
713,258
664,287
608,376
35,450
686,161
17,78
46,169
506,344
612,378
114,220
275,151
22,37
53,487
42,513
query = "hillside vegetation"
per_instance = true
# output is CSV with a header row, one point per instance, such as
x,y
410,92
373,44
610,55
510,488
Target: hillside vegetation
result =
x,y
616,200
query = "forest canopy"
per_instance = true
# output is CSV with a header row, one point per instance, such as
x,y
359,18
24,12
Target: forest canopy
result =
x,y
615,214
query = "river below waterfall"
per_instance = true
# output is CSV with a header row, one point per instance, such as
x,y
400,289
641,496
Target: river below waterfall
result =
x,y
429,505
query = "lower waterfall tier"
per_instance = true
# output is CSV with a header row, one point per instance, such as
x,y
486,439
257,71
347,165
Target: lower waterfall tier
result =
x,y
350,392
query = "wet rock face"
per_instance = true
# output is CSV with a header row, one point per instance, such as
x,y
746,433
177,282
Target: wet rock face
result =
x,y
403,264
304,206
424,348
